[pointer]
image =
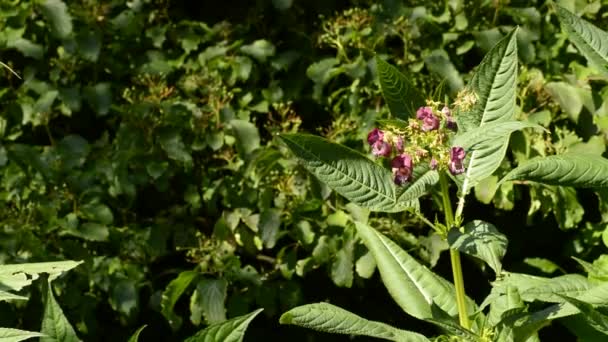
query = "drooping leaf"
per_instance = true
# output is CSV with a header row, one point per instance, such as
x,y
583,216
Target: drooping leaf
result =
x,y
332,319
17,276
135,336
578,170
16,335
489,133
172,293
413,286
494,85
232,330
55,326
481,240
590,40
60,20
401,96
595,319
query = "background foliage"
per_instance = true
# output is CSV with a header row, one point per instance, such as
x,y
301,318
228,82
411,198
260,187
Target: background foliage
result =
x,y
141,139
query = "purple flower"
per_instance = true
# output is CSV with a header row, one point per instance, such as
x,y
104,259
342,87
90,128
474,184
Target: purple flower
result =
x,y
374,136
433,164
399,144
402,167
456,165
381,149
423,112
430,123
451,124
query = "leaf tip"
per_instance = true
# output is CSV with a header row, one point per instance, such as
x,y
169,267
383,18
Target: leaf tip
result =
x,y
286,318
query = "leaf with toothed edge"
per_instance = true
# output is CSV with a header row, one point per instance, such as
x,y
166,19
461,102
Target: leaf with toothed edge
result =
x,y
401,96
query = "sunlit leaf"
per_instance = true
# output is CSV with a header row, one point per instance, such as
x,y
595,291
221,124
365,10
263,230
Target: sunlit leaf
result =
x,y
55,326
481,240
232,330
16,335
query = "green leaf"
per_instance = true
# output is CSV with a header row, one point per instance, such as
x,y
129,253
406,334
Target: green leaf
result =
x,y
590,40
99,97
342,267
56,13
55,325
487,134
494,85
232,330
247,136
533,288
592,316
401,96
208,300
423,180
413,286
6,296
16,335
578,170
172,293
481,240
439,63
135,336
332,319
260,49
17,276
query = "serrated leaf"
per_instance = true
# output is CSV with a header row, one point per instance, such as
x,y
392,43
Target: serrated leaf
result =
x,y
17,276
578,170
135,336
401,96
590,40
55,326
60,20
488,134
332,319
172,293
232,330
481,240
208,300
16,335
494,85
595,319
423,180
413,286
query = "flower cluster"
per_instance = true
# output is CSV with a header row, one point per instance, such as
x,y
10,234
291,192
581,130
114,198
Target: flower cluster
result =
x,y
427,139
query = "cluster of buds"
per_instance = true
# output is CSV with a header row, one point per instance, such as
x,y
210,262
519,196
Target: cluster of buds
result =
x,y
427,139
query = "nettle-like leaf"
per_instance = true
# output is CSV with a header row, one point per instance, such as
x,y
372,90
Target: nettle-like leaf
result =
x,y
208,300
579,170
591,41
354,176
494,85
17,276
16,335
488,134
413,286
332,319
172,293
55,326
401,96
232,330
481,240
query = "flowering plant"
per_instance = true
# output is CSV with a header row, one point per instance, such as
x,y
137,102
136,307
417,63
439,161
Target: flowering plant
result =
x,y
431,144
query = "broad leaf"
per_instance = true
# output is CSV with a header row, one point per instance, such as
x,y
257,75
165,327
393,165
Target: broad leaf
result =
x,y
502,305
494,85
579,170
401,96
595,319
481,240
172,293
17,276
590,40
16,335
480,137
135,336
56,13
348,172
423,180
208,301
232,330
55,326
413,286
332,319
533,288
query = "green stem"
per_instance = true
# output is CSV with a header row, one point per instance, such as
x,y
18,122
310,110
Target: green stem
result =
x,y
454,254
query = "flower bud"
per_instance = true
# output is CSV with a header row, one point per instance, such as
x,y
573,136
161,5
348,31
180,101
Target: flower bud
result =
x,y
402,167
433,164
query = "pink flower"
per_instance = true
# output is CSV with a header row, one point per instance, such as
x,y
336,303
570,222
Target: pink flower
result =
x,y
381,149
402,167
433,164
430,123
399,144
423,112
374,136
456,164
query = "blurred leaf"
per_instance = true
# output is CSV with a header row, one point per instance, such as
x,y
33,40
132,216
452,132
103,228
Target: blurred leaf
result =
x,y
247,136
99,97
439,63
171,141
135,336
208,300
60,20
342,267
260,49
172,293
269,224
401,96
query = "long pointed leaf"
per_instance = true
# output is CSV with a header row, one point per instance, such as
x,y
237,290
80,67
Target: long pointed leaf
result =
x,y
595,319
332,319
494,85
55,326
590,40
413,286
401,96
232,330
16,335
579,170
489,133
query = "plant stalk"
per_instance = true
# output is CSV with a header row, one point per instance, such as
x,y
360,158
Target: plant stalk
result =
x,y
454,255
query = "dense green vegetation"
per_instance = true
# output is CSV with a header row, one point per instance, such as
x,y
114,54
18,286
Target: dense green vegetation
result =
x,y
141,137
